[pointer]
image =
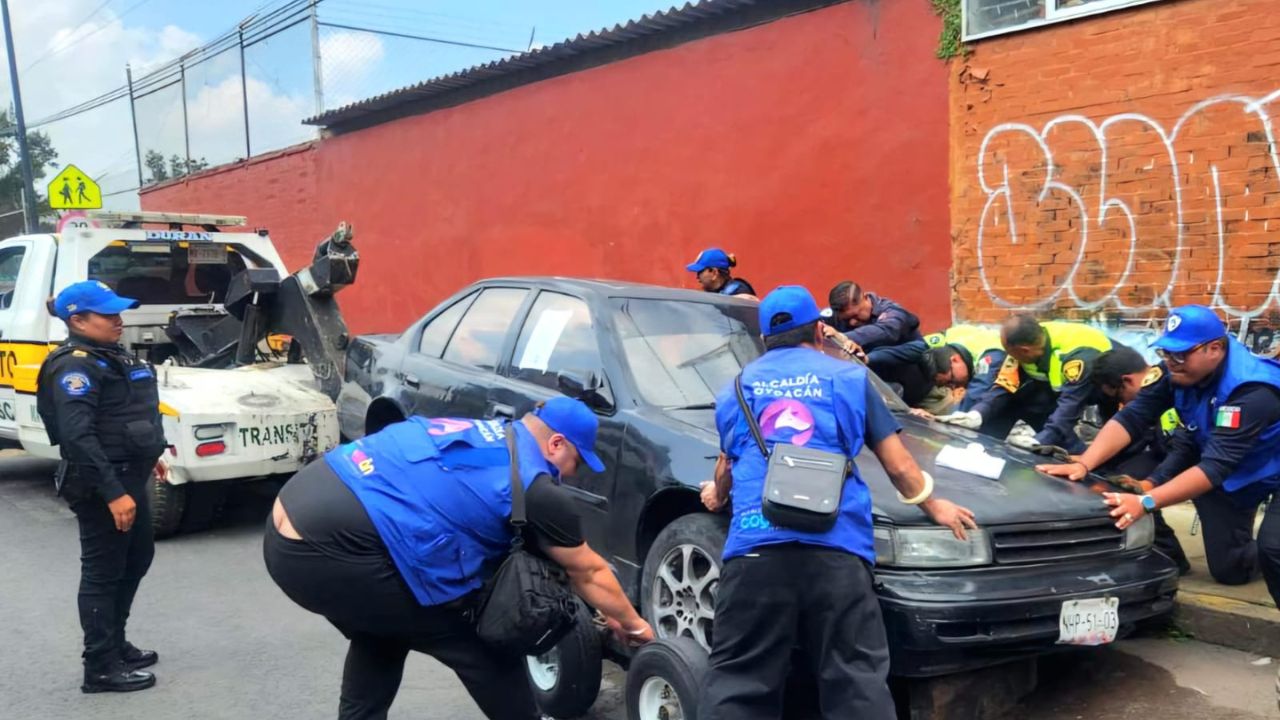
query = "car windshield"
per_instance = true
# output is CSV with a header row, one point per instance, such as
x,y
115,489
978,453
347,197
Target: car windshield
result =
x,y
682,353
168,273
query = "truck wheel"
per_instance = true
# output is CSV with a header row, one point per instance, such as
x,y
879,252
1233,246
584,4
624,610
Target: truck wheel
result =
x,y
566,679
167,503
680,578
205,502
664,680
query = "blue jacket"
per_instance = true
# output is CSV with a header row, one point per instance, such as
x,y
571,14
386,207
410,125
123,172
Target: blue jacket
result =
x,y
438,490
806,398
1202,409
891,324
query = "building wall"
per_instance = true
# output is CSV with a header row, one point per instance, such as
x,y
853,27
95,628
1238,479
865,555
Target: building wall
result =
x,y
1115,165
814,147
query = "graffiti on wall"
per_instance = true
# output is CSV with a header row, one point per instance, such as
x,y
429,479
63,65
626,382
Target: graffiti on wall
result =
x,y
1137,213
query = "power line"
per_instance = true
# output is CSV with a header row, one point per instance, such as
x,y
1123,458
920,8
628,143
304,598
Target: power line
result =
x,y
420,37
86,36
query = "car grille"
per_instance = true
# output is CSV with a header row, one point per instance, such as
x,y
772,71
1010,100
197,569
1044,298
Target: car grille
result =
x,y
1041,542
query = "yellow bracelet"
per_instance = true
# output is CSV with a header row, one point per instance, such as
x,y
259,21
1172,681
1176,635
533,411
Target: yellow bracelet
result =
x,y
924,494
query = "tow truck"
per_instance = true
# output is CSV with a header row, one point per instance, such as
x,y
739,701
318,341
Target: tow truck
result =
x,y
249,358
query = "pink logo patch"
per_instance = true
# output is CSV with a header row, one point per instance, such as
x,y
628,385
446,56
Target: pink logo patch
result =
x,y
787,416
448,426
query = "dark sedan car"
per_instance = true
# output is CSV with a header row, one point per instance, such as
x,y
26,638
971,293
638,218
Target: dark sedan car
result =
x,y
649,360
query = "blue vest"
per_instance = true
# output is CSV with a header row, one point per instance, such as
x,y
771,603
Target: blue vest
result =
x,y
1259,471
802,397
438,490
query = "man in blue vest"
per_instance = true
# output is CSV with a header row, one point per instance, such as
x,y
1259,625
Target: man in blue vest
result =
x,y
1229,402
781,588
390,537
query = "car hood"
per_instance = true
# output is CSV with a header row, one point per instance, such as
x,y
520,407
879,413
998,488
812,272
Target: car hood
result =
x,y
1021,494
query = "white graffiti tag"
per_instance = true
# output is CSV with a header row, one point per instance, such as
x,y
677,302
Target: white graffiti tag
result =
x,y
1131,215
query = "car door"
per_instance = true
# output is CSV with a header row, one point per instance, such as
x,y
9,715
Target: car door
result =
x,y
451,370
558,339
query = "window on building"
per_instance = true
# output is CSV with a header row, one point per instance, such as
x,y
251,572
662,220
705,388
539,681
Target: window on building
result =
x,y
993,17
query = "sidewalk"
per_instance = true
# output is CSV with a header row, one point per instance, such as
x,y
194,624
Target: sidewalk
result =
x,y
1238,616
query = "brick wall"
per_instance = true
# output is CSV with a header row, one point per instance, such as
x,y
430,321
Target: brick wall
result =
x,y
814,147
1114,165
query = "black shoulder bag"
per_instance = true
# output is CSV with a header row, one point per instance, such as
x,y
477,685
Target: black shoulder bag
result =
x,y
528,606
802,486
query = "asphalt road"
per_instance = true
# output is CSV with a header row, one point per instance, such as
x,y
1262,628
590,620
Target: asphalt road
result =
x,y
232,646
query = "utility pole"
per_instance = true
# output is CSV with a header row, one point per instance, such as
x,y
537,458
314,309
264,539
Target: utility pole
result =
x,y
317,75
30,212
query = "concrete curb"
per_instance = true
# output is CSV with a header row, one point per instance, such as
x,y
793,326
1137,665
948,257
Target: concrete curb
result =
x,y
1231,623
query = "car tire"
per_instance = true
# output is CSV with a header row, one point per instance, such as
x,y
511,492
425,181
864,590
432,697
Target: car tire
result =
x,y
566,680
205,503
676,605
167,505
664,680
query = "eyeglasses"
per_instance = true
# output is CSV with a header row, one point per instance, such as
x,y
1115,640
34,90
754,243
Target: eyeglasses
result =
x,y
1178,358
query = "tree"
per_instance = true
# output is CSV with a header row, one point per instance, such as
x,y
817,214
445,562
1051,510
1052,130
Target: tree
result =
x,y
154,161
43,155
176,167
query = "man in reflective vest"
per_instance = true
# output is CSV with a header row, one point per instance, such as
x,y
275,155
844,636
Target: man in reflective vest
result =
x,y
964,356
783,588
390,538
1044,382
1225,457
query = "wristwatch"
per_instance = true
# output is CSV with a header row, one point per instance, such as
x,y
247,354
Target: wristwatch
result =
x,y
1148,503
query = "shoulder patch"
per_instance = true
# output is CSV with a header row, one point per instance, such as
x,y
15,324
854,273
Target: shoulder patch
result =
x,y
1073,370
935,340
75,383
79,353
1153,376
1009,377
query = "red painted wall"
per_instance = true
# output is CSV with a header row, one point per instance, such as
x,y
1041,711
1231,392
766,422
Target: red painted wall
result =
x,y
813,147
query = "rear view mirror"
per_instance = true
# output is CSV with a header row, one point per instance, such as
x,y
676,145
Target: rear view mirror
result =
x,y
585,386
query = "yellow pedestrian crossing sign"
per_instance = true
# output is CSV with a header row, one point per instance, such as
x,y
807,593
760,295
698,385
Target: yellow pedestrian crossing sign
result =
x,y
72,189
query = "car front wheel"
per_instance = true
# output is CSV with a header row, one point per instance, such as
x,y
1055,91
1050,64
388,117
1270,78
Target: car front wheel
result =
x,y
681,577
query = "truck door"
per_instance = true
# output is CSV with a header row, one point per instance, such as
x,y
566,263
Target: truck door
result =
x,y
25,270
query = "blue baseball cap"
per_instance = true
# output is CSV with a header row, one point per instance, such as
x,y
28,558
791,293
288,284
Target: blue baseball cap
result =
x,y
792,300
575,421
90,296
1189,326
709,258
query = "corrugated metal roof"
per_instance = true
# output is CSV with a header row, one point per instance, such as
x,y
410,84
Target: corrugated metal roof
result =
x,y
689,16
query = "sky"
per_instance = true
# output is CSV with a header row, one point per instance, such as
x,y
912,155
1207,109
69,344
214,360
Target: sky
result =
x,y
69,51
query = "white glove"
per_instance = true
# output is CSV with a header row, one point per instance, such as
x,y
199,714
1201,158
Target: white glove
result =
x,y
1026,442
971,419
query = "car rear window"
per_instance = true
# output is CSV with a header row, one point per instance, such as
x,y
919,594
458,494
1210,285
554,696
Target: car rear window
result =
x,y
168,274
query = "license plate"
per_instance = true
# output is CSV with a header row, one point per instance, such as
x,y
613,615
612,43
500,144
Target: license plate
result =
x,y
1089,622
206,254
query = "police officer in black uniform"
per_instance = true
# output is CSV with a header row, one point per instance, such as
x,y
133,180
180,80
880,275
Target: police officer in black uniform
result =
x,y
100,406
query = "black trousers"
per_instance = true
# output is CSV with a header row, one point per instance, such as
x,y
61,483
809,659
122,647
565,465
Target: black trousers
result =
x,y
1033,404
792,595
1229,546
364,597
1268,547
112,565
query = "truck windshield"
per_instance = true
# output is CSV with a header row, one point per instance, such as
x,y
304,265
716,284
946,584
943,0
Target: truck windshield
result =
x,y
167,273
682,353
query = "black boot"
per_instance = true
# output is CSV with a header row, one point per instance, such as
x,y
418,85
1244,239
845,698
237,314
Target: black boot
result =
x,y
118,678
136,659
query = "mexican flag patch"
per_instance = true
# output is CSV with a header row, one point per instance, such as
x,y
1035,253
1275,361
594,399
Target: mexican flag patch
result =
x,y
1228,417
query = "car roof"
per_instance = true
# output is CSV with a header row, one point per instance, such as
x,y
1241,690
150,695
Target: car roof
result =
x,y
619,288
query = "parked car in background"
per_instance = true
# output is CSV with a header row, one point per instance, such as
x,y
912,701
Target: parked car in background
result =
x,y
649,361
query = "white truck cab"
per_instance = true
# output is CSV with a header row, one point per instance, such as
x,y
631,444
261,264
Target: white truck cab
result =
x,y
223,421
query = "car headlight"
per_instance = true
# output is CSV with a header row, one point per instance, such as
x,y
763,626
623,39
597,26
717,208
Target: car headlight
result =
x,y
1140,534
930,548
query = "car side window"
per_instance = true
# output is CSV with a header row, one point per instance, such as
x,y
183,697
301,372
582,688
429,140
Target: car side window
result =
x,y
478,340
10,265
437,331
557,337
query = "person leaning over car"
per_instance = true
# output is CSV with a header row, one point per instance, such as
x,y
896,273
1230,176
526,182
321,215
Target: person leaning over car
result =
x,y
781,587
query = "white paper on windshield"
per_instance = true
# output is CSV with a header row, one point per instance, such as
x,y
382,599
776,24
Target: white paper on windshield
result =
x,y
972,459
537,353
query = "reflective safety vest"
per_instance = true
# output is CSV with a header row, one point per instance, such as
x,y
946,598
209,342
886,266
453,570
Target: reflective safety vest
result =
x,y
438,490
976,340
793,393
1204,408
1065,338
